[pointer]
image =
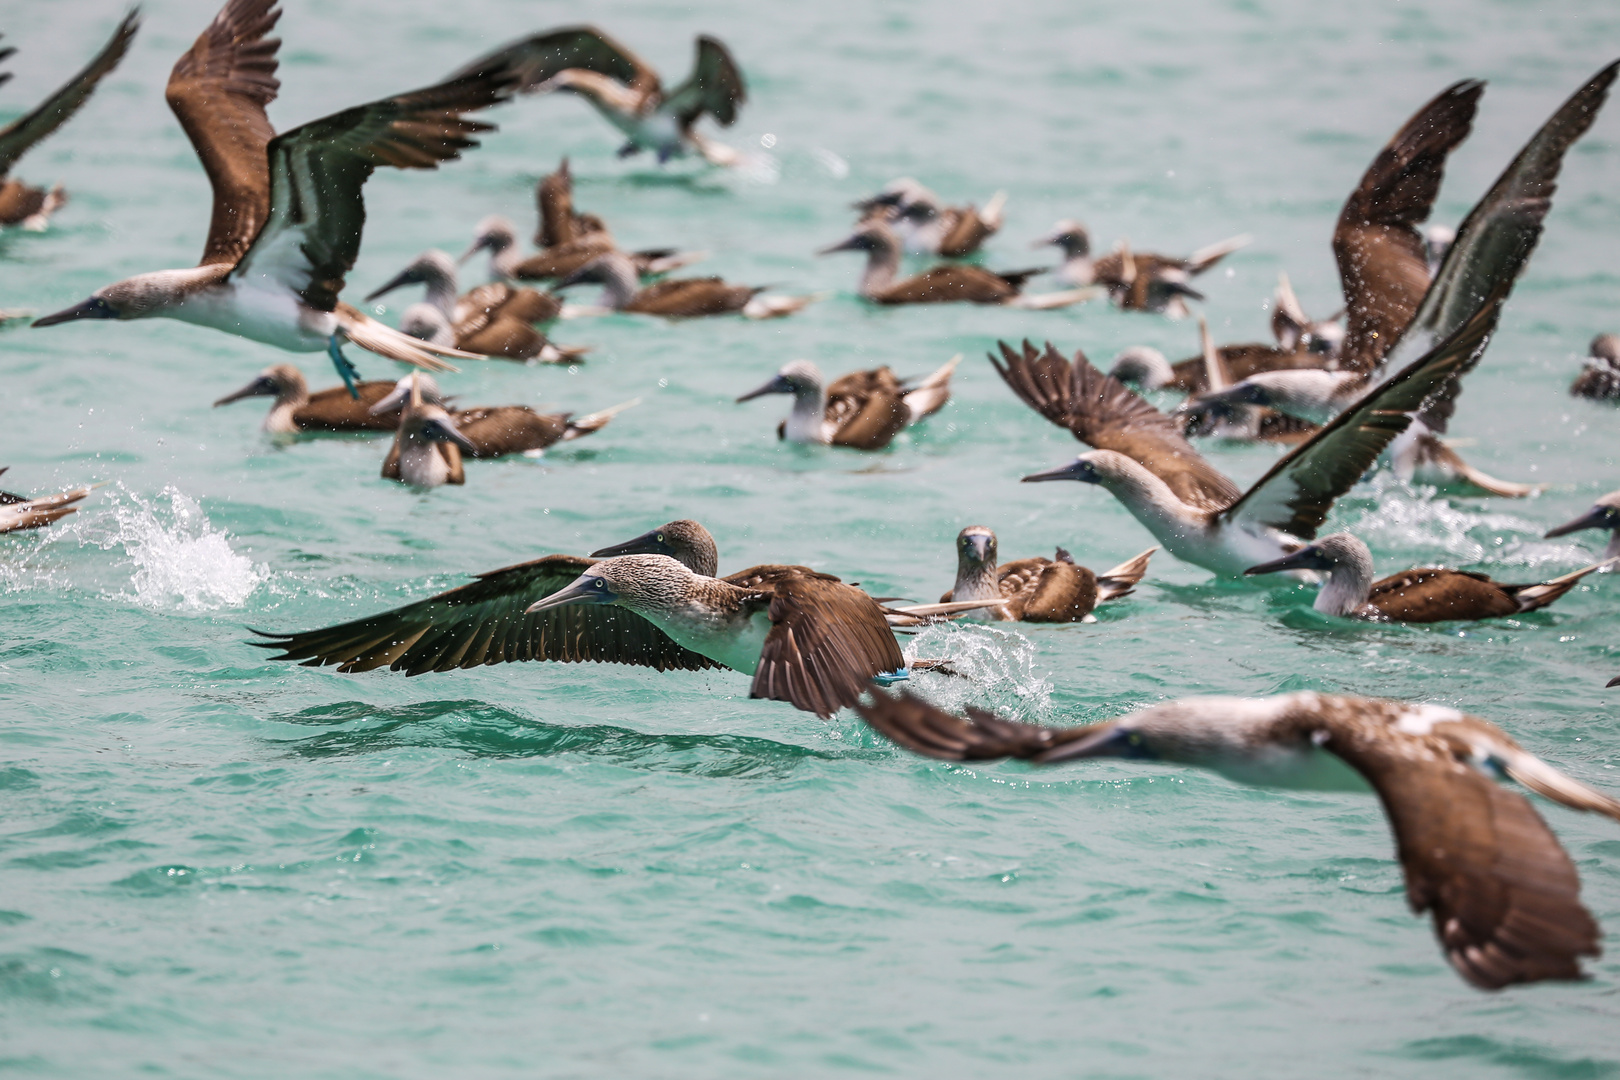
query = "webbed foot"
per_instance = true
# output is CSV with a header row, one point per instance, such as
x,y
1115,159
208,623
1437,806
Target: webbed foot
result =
x,y
346,371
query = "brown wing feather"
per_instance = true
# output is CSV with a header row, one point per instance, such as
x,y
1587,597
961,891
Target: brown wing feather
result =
x,y
949,283
484,622
218,91
715,86
18,136
538,58
1382,263
1060,592
688,298
965,235
1241,361
335,410
510,429
1103,412
1434,595
979,736
867,409
827,640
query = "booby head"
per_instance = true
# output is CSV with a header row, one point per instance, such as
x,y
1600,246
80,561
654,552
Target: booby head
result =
x,y
1339,550
283,380
1068,235
495,234
138,297
427,389
426,423
1606,348
899,194
975,550
1142,366
1605,514
796,377
432,267
426,322
1092,467
685,541
870,235
638,582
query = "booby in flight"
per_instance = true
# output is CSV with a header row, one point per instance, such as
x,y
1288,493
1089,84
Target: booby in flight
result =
x,y
1504,894
18,512
863,410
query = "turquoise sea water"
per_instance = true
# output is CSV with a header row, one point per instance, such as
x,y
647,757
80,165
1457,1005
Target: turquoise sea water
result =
x,y
213,866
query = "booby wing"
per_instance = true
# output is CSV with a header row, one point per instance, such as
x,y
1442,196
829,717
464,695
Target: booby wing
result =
x,y
19,135
484,623
714,87
866,409
537,59
827,639
1383,265
690,298
979,736
1498,236
1104,413
218,91
311,236
1296,494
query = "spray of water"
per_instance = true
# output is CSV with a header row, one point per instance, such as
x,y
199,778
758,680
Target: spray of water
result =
x,y
993,668
181,562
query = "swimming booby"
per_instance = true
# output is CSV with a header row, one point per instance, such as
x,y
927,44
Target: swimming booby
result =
x,y
1504,894
494,431
628,93
427,447
18,512
679,298
1135,281
864,410
1424,595
945,283
1600,374
498,236
28,206
296,410
288,209
1195,512
927,227
1056,590
1605,514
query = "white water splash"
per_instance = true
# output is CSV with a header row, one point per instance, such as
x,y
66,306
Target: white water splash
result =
x,y
1406,517
996,668
181,561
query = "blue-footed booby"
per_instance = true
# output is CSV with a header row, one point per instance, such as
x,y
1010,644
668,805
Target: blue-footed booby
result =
x,y
1600,372
1423,595
1056,590
18,512
1195,512
679,298
864,410
1504,894
928,227
296,410
20,203
427,447
288,209
628,93
1136,281
942,284
493,431
1605,514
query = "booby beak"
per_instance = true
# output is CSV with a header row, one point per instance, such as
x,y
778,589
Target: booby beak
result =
x,y
778,385
1110,739
444,431
1177,288
1079,469
851,242
1308,557
1599,517
585,589
483,241
263,386
395,399
404,277
648,543
93,308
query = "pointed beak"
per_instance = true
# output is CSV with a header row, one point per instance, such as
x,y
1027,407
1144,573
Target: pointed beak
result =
x,y
444,431
477,245
585,589
777,385
848,243
395,400
404,277
1177,288
647,543
981,548
93,308
1595,518
260,387
1075,470
1306,558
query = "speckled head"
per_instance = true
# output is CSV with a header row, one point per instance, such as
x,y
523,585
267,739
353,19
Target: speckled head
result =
x,y
683,540
975,548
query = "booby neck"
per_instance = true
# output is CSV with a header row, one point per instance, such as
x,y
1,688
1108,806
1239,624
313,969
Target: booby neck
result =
x,y
976,577
618,277
1349,568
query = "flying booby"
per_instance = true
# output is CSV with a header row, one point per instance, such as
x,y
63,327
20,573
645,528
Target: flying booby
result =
x,y
1424,595
863,410
493,431
679,298
945,283
427,447
1605,514
1135,281
1600,373
295,410
928,227
288,209
1504,894
628,93
31,207
1056,590
18,512
1195,512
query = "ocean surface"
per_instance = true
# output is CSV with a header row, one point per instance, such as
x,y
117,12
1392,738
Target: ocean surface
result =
x,y
216,866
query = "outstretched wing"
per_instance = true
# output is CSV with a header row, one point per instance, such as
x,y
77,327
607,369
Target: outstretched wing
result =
x,y
715,86
484,622
1298,491
1103,412
218,91
1382,263
22,133
979,736
536,59
317,212
826,643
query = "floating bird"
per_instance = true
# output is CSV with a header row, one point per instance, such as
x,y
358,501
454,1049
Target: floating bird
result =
x,y
1424,595
1505,896
295,410
1600,374
494,431
1056,590
1605,514
628,93
28,206
1236,420
18,512
927,227
864,410
806,637
1195,512
288,211
678,298
1135,282
427,447
945,283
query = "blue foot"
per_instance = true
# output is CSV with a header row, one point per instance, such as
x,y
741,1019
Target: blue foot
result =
x,y
346,371
889,678
629,149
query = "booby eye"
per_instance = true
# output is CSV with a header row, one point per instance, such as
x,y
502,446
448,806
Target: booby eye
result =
x,y
660,538
600,584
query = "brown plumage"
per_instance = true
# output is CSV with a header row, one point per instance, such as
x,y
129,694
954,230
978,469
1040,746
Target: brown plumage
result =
x,y
863,410
1504,895
1600,375
19,512
1055,590
296,410
679,298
